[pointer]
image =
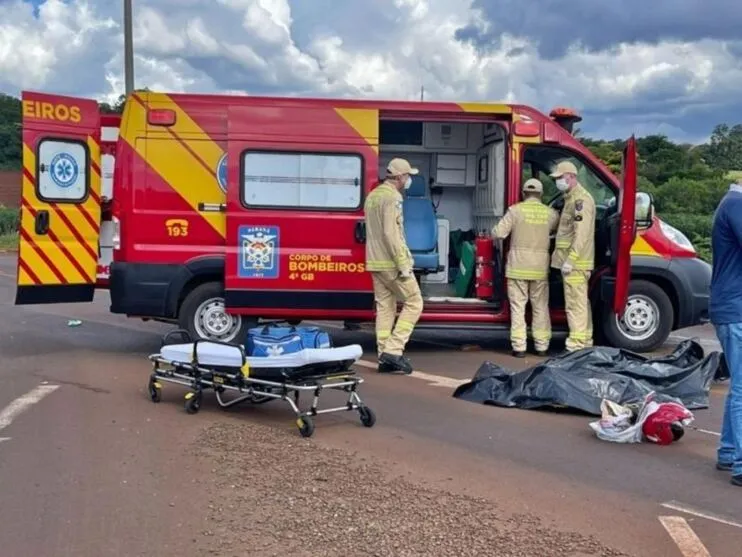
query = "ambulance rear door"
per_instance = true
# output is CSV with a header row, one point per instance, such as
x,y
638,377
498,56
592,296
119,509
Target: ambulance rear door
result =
x,y
626,227
298,176
60,203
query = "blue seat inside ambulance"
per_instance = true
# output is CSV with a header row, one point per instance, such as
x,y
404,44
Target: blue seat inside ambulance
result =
x,y
420,227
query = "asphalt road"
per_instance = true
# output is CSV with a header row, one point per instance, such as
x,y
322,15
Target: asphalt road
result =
x,y
89,466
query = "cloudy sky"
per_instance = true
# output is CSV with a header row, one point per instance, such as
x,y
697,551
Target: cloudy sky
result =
x,y
664,66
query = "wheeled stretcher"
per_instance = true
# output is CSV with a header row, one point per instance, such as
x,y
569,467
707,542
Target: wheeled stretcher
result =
x,y
224,367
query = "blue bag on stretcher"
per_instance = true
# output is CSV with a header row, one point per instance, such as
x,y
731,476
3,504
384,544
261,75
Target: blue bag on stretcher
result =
x,y
277,341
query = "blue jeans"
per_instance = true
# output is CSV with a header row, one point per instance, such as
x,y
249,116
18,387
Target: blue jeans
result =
x,y
730,446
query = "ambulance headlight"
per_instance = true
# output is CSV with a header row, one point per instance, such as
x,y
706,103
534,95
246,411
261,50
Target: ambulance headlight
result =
x,y
675,236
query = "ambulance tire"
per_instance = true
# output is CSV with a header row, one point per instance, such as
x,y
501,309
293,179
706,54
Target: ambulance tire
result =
x,y
651,315
208,297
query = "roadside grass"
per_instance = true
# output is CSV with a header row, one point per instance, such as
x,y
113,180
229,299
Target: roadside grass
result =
x,y
9,218
9,241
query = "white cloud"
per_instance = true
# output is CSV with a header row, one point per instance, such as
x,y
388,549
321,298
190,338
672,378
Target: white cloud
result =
x,y
389,50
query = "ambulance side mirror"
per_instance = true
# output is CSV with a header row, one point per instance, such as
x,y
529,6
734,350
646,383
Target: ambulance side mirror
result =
x,y
644,210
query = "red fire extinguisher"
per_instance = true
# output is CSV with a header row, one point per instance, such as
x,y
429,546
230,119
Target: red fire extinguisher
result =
x,y
484,249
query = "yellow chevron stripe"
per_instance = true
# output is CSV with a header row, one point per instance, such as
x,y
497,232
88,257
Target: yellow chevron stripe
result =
x,y
176,163
527,139
91,206
23,278
50,248
36,264
486,108
365,122
642,247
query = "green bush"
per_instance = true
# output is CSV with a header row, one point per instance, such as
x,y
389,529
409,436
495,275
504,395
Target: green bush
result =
x,y
9,220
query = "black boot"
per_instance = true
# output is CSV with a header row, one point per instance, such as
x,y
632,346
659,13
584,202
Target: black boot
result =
x,y
389,363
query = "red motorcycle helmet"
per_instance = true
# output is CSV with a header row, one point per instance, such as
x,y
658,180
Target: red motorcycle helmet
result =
x,y
666,424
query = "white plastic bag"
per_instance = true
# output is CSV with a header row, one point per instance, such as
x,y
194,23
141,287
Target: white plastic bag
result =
x,y
619,424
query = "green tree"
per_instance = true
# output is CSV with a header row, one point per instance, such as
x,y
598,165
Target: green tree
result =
x,y
724,151
10,132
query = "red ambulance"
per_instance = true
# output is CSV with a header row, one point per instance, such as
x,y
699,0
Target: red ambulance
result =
x,y
215,211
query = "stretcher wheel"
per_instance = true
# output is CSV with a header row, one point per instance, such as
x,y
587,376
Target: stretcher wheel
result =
x,y
305,425
368,418
155,391
192,402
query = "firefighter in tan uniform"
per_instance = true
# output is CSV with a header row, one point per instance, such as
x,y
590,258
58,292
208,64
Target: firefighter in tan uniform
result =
x,y
529,224
574,254
390,262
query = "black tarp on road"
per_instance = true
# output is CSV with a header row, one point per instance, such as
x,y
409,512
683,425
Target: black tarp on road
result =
x,y
583,379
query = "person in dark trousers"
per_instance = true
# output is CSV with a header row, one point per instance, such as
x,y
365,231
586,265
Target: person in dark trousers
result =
x,y
725,311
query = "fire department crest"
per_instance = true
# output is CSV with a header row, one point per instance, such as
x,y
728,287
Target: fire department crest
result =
x,y
258,251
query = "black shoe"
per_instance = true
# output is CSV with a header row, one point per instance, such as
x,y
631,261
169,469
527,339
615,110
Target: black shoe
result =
x,y
389,363
736,480
542,353
385,368
724,467
518,354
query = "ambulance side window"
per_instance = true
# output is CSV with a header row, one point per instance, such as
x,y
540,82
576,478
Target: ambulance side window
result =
x,y
294,180
539,160
62,170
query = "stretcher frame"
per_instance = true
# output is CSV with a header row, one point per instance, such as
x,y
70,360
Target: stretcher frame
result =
x,y
198,378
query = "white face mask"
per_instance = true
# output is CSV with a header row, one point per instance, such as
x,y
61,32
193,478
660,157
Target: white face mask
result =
x,y
561,184
408,183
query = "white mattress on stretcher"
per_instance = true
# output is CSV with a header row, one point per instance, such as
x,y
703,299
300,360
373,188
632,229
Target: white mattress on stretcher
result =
x,y
213,354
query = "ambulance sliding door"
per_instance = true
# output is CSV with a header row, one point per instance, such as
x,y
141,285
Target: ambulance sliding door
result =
x,y
297,180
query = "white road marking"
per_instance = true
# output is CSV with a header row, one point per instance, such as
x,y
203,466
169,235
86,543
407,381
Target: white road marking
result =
x,y
684,537
22,403
371,332
714,433
434,380
708,515
4,439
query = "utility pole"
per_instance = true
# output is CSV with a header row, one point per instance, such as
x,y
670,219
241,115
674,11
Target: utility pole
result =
x,y
422,93
128,49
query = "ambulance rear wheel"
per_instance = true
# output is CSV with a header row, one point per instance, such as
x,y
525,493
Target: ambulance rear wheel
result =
x,y
203,315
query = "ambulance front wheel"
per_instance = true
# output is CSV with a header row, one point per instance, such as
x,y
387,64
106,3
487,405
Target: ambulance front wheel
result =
x,y
203,315
647,322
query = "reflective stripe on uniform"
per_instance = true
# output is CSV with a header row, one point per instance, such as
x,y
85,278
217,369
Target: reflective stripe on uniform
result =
x,y
581,264
535,212
525,274
383,334
385,265
404,326
575,278
563,243
541,334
